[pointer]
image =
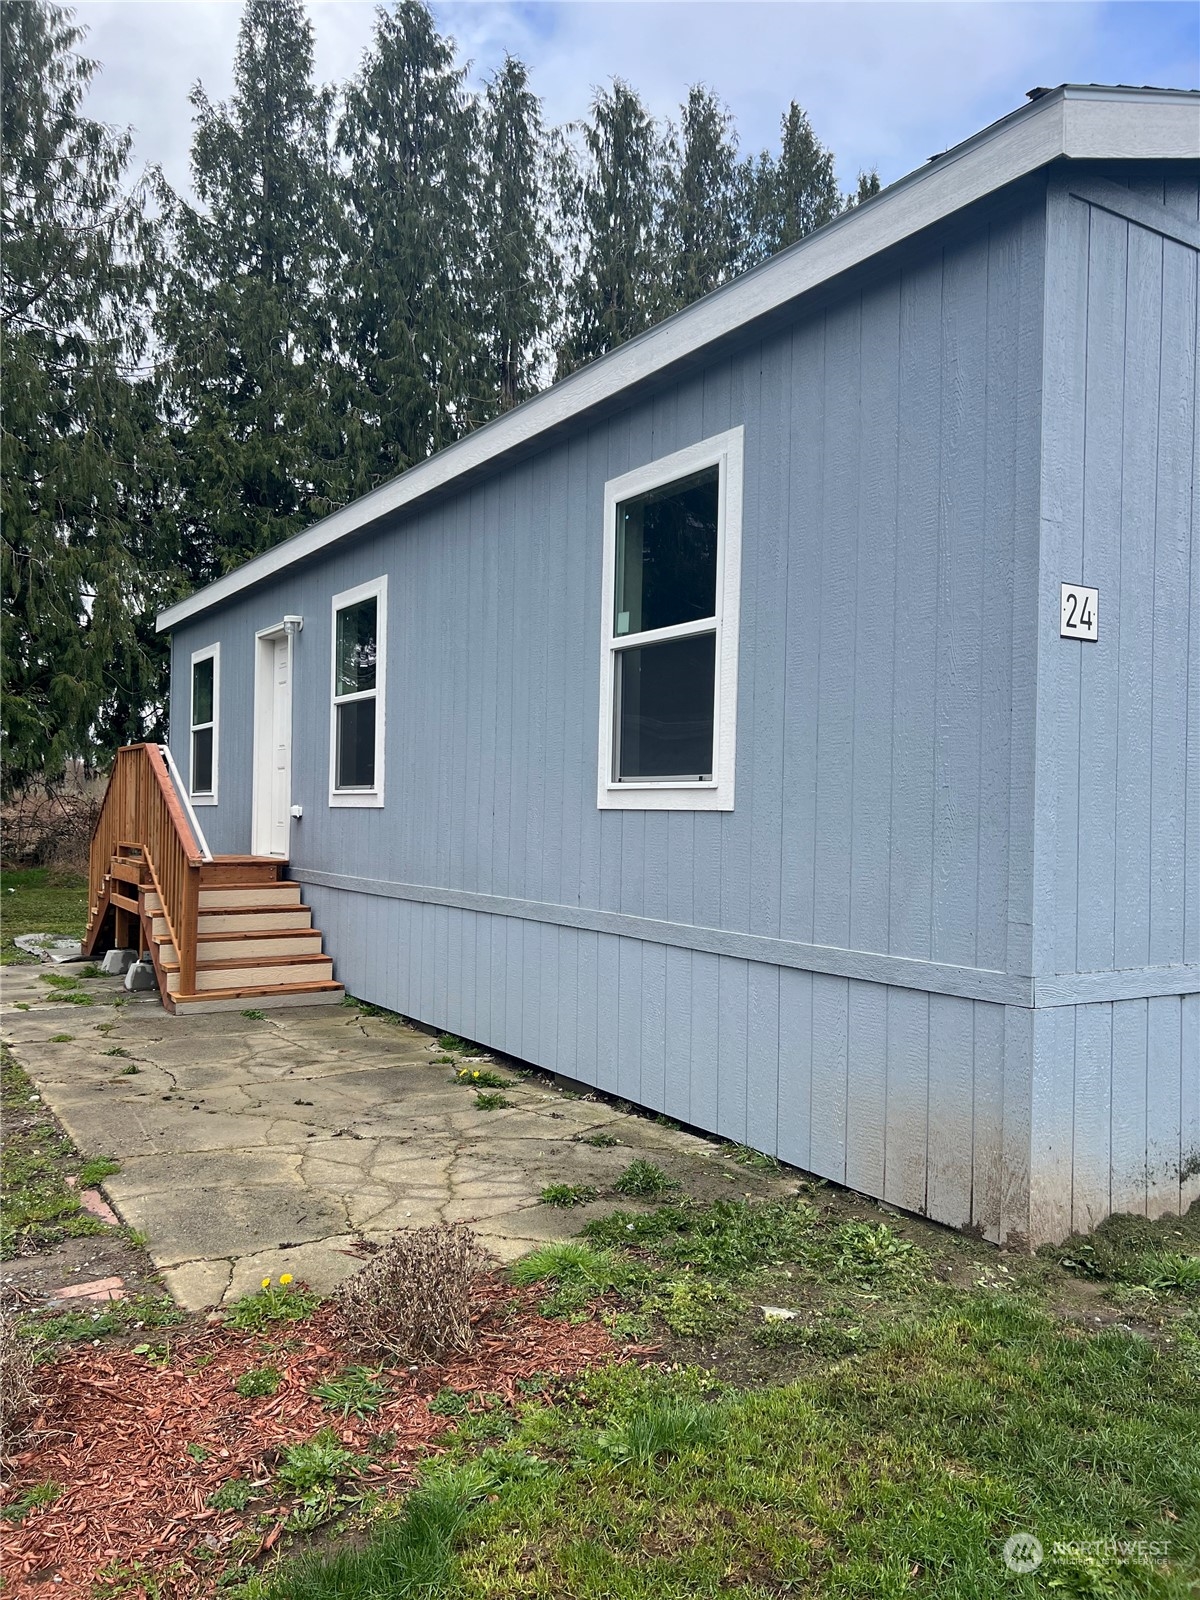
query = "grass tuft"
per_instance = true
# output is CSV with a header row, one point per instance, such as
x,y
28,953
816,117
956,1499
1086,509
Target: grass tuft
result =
x,y
357,1391
410,1557
642,1180
40,1494
569,1194
575,1273
665,1426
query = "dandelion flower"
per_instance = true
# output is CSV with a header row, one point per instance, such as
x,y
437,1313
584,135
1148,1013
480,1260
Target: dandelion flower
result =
x,y
285,1278
266,1283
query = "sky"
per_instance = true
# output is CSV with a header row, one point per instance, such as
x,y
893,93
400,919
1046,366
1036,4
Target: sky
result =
x,y
886,85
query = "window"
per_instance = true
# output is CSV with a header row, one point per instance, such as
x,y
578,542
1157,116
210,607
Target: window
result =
x,y
359,662
205,718
668,669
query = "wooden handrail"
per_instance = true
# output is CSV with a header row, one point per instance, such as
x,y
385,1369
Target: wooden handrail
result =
x,y
142,807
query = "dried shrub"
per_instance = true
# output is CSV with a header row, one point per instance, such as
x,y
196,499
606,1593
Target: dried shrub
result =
x,y
412,1301
19,1399
49,824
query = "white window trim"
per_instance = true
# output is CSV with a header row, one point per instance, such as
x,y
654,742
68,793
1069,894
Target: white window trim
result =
x,y
723,450
377,588
207,797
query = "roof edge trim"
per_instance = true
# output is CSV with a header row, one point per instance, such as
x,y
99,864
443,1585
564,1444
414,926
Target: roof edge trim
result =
x,y
1078,121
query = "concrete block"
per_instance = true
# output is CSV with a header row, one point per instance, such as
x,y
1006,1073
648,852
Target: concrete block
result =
x,y
117,963
141,976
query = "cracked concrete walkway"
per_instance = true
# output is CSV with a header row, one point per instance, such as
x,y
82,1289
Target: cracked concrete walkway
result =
x,y
250,1147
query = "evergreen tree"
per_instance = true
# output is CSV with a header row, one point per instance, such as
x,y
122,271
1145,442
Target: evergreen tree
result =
x,y
408,330
619,286
798,192
704,200
81,462
244,326
868,188
518,268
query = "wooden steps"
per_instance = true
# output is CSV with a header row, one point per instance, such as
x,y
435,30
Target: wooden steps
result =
x,y
256,947
253,971
272,997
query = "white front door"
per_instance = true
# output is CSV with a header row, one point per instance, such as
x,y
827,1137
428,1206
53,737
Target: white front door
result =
x,y
272,746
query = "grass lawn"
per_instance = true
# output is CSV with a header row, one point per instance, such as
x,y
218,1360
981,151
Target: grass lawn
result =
x,y
39,900
914,1415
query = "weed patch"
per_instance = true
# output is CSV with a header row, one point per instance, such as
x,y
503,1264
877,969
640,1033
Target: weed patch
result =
x,y
285,1301
481,1078
664,1426
569,1194
45,1333
756,1160
258,1382
693,1307
410,1556
235,1494
317,1462
95,1171
40,1208
642,1180
492,1102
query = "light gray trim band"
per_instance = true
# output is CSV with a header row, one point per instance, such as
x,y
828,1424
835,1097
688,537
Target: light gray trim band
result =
x,y
1137,208
1136,983
900,972
970,983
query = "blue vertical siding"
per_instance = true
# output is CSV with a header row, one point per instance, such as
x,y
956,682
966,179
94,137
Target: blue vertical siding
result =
x,y
1117,827
942,809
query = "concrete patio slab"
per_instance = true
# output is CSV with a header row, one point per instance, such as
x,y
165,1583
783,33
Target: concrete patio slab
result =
x,y
254,1146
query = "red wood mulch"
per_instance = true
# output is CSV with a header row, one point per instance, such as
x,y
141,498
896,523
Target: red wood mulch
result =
x,y
116,1428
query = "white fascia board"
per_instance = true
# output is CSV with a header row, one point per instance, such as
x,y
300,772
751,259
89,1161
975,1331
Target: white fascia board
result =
x,y
1077,121
1099,124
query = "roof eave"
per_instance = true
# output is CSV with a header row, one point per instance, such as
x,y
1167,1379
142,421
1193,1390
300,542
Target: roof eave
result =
x,y
1079,122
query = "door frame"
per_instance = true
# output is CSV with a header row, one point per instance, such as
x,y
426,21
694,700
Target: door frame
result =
x,y
265,641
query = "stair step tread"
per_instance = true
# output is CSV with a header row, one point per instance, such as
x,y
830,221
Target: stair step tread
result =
x,y
248,911
248,992
262,933
267,886
251,961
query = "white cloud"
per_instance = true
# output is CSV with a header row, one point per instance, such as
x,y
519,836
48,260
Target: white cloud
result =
x,y
886,85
